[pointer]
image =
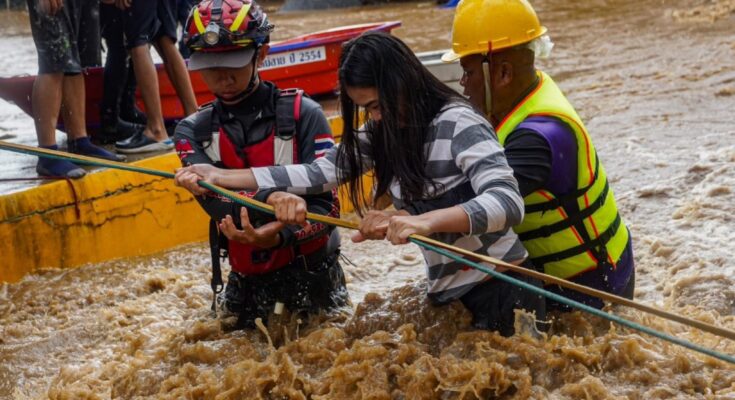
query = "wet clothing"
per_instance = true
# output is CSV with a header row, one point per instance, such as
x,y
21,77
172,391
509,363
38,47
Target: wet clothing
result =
x,y
466,160
492,303
529,155
253,113
539,169
147,21
251,123
68,41
301,288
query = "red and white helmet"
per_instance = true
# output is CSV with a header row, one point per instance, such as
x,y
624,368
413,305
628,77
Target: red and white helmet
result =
x,y
225,26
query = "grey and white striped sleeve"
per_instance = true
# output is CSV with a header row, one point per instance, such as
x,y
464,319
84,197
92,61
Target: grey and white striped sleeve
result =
x,y
318,177
477,152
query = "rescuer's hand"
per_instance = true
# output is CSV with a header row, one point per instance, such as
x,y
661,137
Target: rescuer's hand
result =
x,y
266,236
290,208
188,177
373,226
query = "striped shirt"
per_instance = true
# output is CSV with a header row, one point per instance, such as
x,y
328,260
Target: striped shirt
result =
x,y
461,147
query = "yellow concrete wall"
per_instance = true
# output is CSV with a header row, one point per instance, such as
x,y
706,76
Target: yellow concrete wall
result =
x,y
122,214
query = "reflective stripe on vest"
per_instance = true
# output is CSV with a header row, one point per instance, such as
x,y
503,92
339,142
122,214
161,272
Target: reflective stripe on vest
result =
x,y
283,151
566,242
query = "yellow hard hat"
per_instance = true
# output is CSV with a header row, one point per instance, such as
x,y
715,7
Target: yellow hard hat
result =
x,y
483,25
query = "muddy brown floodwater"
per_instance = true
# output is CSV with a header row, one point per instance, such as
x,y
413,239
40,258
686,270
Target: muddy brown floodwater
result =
x,y
655,82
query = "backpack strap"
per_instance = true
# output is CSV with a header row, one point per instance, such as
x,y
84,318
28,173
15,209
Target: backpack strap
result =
x,y
218,250
204,126
288,113
206,131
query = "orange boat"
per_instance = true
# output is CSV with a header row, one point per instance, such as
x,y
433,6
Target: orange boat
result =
x,y
309,62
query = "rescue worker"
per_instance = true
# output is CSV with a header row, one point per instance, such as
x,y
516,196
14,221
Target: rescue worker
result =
x,y
572,227
252,123
119,116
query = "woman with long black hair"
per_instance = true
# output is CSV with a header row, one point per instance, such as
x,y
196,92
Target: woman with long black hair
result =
x,y
433,154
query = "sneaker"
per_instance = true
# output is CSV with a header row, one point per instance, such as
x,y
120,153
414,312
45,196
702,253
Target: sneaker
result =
x,y
141,143
59,169
84,147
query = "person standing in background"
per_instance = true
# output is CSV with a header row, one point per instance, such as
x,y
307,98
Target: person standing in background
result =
x,y
67,38
119,116
183,7
146,23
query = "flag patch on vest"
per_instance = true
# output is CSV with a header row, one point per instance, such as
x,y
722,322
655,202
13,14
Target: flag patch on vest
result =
x,y
184,148
322,143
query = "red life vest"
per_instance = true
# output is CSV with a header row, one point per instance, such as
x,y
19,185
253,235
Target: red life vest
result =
x,y
279,147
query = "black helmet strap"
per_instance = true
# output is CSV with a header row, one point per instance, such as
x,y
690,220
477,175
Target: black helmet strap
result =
x,y
216,10
253,79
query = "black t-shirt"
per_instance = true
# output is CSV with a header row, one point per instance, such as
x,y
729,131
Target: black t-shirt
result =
x,y
529,155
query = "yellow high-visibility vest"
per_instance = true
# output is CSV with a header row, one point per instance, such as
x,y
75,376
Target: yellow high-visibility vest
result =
x,y
552,234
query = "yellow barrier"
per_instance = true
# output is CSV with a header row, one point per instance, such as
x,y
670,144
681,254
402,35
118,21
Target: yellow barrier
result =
x,y
121,214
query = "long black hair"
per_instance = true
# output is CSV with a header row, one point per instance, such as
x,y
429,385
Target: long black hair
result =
x,y
409,98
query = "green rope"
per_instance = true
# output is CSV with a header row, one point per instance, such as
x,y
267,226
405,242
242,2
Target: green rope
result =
x,y
479,267
575,304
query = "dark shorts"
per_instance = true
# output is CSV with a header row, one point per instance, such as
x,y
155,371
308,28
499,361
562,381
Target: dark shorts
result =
x,y
111,24
301,290
492,304
146,21
68,41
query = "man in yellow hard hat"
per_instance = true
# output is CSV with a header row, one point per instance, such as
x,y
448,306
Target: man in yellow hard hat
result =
x,y
572,227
